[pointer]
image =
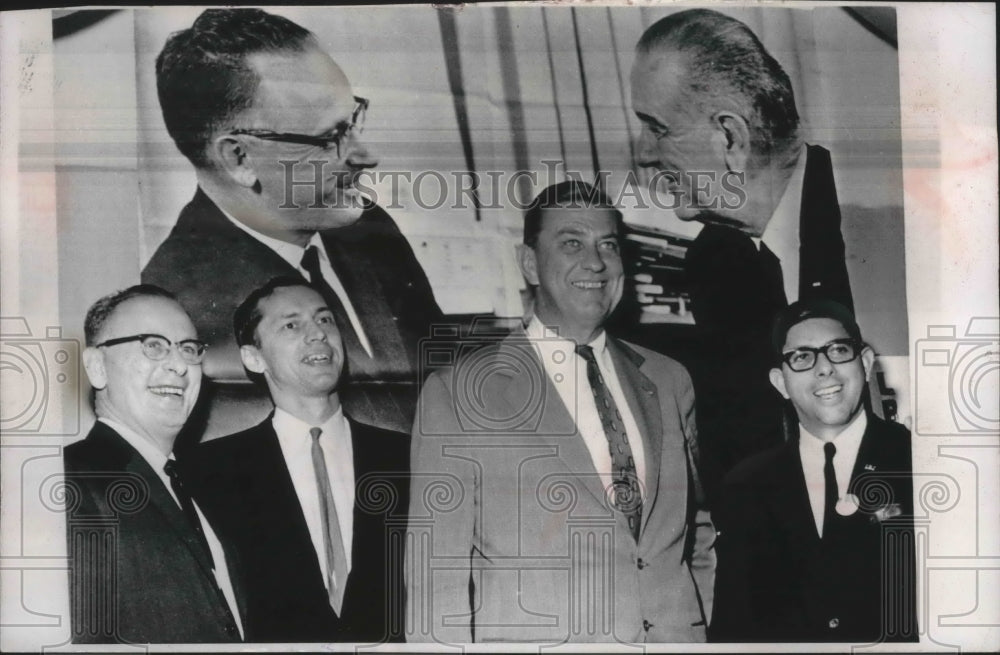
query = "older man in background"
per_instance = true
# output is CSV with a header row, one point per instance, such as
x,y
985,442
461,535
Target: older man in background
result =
x,y
720,122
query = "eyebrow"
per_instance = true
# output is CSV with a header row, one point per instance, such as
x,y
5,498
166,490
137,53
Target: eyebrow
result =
x,y
572,230
794,348
646,118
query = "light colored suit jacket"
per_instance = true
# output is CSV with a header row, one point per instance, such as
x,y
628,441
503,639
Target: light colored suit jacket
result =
x,y
512,536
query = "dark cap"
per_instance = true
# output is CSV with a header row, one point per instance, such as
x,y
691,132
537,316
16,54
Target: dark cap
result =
x,y
803,310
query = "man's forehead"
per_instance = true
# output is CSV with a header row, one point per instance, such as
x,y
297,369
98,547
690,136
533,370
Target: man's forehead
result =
x,y
150,314
579,220
286,302
659,69
815,332
309,68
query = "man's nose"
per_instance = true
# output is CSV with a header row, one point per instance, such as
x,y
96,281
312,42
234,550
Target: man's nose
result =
x,y
359,154
823,365
593,259
314,332
174,362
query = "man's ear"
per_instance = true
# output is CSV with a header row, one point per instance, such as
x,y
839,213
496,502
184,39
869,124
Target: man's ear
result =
x,y
93,363
528,263
867,360
736,133
252,359
778,382
232,158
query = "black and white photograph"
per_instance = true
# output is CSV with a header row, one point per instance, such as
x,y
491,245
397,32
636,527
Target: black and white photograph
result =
x,y
500,325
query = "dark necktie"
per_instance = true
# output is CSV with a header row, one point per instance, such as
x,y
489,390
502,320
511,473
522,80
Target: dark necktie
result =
x,y
355,352
627,497
187,505
773,280
336,556
831,492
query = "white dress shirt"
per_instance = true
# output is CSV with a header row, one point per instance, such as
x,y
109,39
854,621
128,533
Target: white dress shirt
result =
x,y
293,254
782,231
157,460
814,460
568,373
338,452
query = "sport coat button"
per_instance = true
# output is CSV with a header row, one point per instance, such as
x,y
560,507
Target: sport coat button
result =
x,y
834,623
640,564
646,625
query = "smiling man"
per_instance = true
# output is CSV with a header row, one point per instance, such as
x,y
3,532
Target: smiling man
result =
x,y
272,126
721,127
145,565
816,536
309,497
568,463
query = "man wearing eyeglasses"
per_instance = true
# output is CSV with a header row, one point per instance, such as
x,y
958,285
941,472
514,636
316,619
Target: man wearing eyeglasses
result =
x,y
145,565
271,124
816,536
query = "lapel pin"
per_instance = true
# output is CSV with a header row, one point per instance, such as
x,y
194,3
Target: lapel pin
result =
x,y
847,505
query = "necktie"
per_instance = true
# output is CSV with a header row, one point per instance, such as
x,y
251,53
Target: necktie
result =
x,y
187,506
356,353
773,280
336,557
831,492
628,499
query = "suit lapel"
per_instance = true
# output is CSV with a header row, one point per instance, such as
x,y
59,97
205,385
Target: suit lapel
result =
x,y
644,402
790,502
159,497
280,496
204,216
556,425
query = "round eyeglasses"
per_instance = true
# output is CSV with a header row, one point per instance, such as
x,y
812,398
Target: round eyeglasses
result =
x,y
157,347
838,351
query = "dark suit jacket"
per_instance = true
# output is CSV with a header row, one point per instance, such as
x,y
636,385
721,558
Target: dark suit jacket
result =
x,y
778,581
212,265
138,573
244,483
739,412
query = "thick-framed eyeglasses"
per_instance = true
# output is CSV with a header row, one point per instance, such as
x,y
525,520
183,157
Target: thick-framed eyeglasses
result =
x,y
330,142
838,351
157,347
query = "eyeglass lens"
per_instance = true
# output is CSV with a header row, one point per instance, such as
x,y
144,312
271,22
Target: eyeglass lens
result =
x,y
157,348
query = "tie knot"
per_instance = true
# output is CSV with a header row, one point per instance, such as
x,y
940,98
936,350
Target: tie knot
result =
x,y
315,432
830,450
586,352
310,260
170,468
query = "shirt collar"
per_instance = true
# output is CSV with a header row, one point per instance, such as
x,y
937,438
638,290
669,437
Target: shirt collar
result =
x,y
847,441
781,234
290,252
291,427
149,452
550,340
